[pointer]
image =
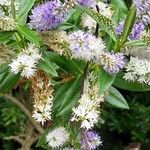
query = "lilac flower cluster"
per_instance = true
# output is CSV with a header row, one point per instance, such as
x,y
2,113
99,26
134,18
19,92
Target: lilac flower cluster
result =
x,y
94,141
143,10
85,46
47,16
85,2
135,33
143,19
112,63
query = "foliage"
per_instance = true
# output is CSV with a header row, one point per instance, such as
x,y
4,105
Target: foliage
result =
x,y
66,75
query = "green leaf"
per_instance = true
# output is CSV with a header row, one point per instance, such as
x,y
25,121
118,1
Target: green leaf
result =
x,y
60,91
25,6
2,76
13,11
3,68
120,12
29,35
119,3
4,36
105,80
8,82
129,22
128,25
135,43
115,98
104,23
72,66
68,98
69,106
130,86
66,26
47,66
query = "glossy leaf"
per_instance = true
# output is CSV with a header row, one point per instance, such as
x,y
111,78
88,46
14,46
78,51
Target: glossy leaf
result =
x,y
47,66
115,98
68,97
28,34
68,107
129,22
105,80
3,68
4,36
119,3
8,82
25,6
73,66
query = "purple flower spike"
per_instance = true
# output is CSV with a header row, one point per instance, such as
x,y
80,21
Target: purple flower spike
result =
x,y
136,30
85,2
142,20
119,28
94,140
47,16
112,63
143,11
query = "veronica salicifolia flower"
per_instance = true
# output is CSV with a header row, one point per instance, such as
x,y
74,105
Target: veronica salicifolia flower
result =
x,y
136,30
138,70
143,10
25,63
85,46
57,138
93,140
48,15
42,97
90,23
88,3
112,63
7,23
87,112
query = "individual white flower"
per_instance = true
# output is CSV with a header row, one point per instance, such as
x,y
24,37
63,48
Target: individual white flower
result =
x,y
57,138
42,111
138,70
7,3
85,46
7,23
89,22
25,63
105,10
87,112
33,51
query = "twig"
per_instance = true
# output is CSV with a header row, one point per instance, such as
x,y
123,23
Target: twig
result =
x,y
97,25
15,138
25,110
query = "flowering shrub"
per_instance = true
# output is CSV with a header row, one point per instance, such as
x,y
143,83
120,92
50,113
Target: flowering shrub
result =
x,y
61,60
